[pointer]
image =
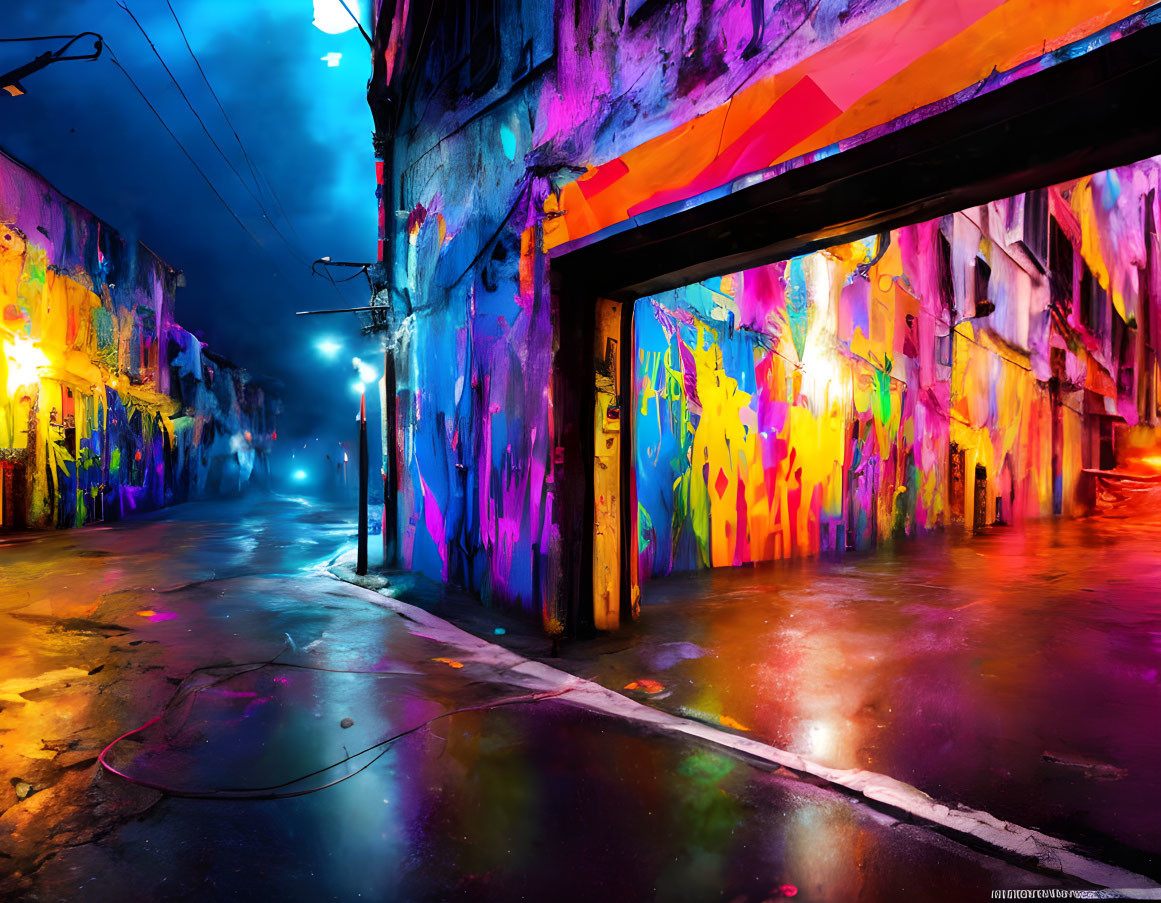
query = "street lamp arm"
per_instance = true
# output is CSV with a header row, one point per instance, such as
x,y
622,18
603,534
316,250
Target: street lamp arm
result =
x,y
98,46
364,268
10,81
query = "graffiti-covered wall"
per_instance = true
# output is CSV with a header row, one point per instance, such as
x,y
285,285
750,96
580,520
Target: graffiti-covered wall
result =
x,y
91,424
961,371
508,129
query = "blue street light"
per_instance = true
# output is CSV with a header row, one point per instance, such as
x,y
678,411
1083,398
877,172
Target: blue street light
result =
x,y
328,347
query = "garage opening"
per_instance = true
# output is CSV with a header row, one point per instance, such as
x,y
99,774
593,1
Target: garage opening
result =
x,y
819,362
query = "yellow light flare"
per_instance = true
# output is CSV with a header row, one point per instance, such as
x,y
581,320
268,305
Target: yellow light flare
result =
x,y
25,359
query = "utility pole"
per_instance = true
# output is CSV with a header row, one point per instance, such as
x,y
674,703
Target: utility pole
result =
x,y
390,471
361,562
390,476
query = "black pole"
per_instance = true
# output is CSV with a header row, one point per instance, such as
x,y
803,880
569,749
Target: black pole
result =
x,y
361,563
390,474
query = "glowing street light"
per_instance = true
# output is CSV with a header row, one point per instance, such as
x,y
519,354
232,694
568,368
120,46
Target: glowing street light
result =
x,y
328,347
358,388
336,16
367,373
24,362
300,475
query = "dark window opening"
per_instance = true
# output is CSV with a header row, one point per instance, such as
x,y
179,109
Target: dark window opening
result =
x,y
1121,346
981,279
1061,258
463,56
1093,301
1035,234
637,11
68,419
485,47
946,282
1107,451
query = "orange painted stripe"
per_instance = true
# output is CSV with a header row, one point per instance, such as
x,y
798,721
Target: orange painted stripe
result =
x,y
917,54
800,112
1003,39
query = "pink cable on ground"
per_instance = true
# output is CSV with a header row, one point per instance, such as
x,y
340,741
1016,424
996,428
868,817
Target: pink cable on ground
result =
x,y
257,793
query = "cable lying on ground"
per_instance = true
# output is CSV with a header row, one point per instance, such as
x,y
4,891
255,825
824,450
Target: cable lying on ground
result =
x,y
277,791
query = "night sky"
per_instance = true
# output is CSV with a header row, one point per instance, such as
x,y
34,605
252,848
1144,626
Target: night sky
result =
x,y
307,129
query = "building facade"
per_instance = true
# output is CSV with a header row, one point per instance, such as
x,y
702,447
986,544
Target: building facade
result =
x,y
562,430
107,406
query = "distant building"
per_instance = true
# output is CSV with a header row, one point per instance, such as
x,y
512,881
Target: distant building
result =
x,y
674,285
107,406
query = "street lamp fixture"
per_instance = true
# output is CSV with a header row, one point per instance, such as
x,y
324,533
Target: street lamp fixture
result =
x,y
10,81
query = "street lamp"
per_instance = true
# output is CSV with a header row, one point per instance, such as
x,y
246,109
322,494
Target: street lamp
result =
x,y
10,81
25,360
328,347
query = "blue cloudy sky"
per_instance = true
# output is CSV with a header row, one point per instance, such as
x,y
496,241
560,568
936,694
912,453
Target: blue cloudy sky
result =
x,y
305,125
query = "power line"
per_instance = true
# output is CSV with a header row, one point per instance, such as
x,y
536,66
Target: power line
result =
x,y
214,94
277,200
254,169
359,25
205,129
209,183
177,141
269,221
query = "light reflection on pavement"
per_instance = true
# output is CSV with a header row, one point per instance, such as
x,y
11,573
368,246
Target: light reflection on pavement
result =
x,y
536,801
1017,672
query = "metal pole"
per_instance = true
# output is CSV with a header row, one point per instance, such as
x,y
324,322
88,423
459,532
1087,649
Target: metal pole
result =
x,y
361,563
391,473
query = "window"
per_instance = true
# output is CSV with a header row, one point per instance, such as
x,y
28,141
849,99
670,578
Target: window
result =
x,y
1034,237
1060,263
485,47
981,280
68,419
1093,301
464,54
946,282
1107,450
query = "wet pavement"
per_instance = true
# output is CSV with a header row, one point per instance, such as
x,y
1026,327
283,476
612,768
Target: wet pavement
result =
x,y
509,804
1015,672
269,679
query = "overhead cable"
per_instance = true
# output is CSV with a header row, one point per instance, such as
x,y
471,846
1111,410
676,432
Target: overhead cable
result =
x,y
298,257
116,62
254,168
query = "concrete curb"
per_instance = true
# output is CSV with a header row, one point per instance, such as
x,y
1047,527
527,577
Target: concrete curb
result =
x,y
1049,853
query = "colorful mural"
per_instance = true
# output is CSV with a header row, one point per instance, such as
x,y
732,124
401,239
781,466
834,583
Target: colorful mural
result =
x,y
107,406
961,371
802,407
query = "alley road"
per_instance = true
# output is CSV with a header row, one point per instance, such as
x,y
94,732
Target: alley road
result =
x,y
217,621
1018,672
